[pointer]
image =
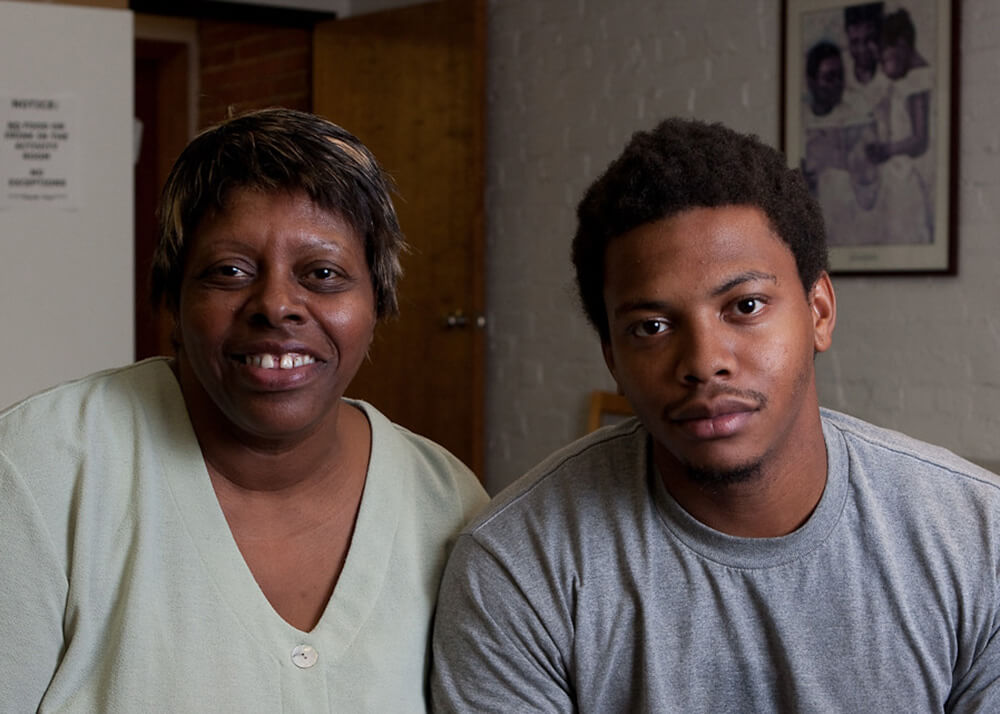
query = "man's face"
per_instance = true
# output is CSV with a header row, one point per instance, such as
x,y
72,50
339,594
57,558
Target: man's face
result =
x,y
862,41
712,339
827,86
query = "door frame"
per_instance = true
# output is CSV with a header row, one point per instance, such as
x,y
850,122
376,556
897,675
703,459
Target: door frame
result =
x,y
171,46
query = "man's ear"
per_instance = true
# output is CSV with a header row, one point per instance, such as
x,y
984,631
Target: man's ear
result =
x,y
824,312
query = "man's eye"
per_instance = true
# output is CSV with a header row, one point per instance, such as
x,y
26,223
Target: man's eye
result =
x,y
749,306
323,273
648,328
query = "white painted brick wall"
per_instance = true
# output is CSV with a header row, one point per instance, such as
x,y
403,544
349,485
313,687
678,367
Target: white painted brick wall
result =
x,y
570,80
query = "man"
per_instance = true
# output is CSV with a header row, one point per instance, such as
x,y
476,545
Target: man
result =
x,y
733,548
863,26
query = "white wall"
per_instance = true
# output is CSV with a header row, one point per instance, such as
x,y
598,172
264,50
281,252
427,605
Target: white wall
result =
x,y
66,273
570,80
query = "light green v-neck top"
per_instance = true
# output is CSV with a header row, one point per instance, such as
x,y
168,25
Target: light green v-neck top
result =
x,y
122,588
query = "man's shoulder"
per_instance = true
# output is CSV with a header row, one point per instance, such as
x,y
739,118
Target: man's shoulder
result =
x,y
570,478
874,446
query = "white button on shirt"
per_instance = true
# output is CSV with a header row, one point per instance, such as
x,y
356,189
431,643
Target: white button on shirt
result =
x,y
304,656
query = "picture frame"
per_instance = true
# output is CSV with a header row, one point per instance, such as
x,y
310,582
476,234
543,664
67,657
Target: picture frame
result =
x,y
869,116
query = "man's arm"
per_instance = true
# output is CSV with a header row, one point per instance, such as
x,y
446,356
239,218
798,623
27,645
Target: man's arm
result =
x,y
498,641
976,672
979,690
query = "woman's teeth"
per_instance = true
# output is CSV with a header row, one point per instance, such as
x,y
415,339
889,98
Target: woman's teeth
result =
x,y
289,360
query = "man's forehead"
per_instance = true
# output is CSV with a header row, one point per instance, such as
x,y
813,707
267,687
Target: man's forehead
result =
x,y
863,27
728,232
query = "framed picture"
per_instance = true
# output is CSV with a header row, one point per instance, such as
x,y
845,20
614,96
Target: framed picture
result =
x,y
869,98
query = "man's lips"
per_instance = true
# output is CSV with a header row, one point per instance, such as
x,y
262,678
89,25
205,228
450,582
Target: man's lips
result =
x,y
715,419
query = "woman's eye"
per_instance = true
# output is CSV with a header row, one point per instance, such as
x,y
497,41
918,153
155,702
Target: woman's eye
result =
x,y
749,306
323,274
224,271
324,278
648,328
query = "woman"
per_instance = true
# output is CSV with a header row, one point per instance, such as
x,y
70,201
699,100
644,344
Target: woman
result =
x,y
906,109
907,167
224,530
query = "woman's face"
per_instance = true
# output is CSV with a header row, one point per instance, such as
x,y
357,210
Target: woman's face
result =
x,y
277,312
896,59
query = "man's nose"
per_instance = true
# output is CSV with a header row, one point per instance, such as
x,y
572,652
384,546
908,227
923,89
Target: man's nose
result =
x,y
704,353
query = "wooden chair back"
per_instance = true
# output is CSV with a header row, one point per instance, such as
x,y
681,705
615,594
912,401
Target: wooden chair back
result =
x,y
604,404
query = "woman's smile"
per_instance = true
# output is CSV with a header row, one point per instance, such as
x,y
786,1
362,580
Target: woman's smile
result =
x,y
277,313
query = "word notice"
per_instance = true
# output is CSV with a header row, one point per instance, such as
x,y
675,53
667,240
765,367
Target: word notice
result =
x,y
38,153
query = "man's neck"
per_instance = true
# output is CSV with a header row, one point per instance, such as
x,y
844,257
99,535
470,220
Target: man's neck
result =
x,y
775,500
864,76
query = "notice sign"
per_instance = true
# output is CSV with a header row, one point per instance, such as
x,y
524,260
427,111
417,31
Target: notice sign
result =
x,y
38,154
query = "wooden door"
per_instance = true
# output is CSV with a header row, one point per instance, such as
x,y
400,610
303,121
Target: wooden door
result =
x,y
410,84
161,104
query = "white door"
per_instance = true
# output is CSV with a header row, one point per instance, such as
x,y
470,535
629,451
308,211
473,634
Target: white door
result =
x,y
65,193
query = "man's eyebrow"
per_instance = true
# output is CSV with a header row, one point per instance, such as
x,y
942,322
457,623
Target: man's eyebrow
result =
x,y
747,277
641,305
662,306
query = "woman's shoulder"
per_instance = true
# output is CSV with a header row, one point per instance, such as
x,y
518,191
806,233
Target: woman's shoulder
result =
x,y
414,459
918,80
77,449
100,394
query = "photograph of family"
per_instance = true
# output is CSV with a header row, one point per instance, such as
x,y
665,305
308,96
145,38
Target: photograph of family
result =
x,y
870,122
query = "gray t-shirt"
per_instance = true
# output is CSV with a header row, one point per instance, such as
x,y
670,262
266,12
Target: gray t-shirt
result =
x,y
586,587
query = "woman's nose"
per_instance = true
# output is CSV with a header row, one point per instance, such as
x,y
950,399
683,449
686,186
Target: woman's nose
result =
x,y
275,300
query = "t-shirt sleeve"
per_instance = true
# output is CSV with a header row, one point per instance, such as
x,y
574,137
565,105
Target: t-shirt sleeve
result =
x,y
492,650
979,690
976,687
33,590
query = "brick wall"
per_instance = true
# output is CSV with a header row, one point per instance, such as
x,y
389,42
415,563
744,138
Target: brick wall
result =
x,y
569,81
250,66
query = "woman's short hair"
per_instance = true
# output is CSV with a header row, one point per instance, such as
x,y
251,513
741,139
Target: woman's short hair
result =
x,y
816,54
278,150
898,27
683,164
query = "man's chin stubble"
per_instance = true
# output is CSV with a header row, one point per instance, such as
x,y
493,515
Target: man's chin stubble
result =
x,y
716,478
